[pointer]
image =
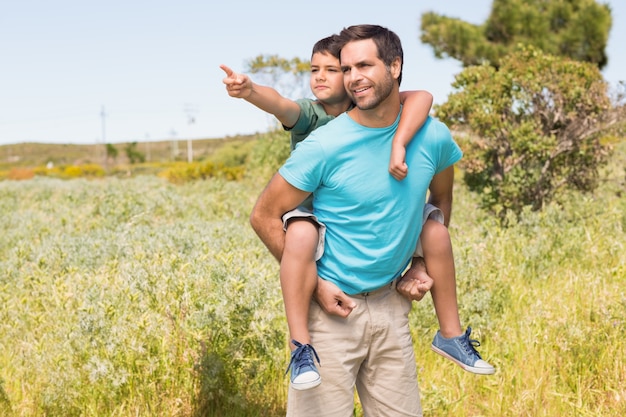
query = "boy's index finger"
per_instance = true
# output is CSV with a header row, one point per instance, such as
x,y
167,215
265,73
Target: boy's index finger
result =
x,y
229,72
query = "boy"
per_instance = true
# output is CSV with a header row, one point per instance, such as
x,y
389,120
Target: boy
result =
x,y
304,235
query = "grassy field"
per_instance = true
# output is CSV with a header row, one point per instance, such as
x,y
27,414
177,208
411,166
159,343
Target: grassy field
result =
x,y
137,297
40,154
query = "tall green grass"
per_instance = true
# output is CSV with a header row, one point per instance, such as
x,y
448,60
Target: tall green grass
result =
x,y
547,299
137,297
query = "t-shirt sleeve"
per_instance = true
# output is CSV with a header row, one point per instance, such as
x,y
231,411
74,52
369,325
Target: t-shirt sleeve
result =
x,y
306,121
449,151
304,167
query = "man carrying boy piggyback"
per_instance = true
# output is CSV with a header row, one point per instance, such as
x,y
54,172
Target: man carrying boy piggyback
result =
x,y
373,223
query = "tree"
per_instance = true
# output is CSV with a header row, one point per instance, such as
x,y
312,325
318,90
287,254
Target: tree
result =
x,y
578,29
537,126
290,77
112,151
133,154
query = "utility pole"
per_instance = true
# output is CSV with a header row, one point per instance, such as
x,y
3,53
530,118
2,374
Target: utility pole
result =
x,y
190,110
174,145
103,147
103,117
147,147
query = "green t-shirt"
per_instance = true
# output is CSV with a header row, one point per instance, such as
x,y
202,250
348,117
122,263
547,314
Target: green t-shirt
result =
x,y
312,116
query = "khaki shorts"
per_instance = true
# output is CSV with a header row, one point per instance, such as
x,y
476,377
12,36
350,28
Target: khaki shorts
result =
x,y
304,213
430,212
372,350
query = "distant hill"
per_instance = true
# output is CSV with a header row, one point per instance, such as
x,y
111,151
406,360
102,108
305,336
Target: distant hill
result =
x,y
40,154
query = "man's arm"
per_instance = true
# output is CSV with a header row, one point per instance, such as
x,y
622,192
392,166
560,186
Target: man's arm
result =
x,y
441,187
277,198
265,98
416,282
416,107
266,219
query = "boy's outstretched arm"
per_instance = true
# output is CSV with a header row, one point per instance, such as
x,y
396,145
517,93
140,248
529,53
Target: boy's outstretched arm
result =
x,y
416,107
265,98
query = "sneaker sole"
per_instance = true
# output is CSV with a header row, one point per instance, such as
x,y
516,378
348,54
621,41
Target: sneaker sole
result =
x,y
479,371
306,385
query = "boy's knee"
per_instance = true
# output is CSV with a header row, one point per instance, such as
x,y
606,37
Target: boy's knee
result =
x,y
434,233
300,231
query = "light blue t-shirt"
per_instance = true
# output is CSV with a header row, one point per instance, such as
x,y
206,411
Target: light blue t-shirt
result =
x,y
372,220
312,116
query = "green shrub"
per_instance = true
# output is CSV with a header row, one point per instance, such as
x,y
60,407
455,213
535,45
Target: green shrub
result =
x,y
268,154
536,128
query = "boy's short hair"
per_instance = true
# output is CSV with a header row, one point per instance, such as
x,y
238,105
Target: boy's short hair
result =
x,y
328,45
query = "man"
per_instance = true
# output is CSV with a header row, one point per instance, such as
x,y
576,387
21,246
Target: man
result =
x,y
359,322
304,237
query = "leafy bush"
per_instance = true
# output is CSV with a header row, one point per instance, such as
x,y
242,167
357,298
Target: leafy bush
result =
x,y
88,170
535,128
268,154
71,171
232,154
185,172
258,159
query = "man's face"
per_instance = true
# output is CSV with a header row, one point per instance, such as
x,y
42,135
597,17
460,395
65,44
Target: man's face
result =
x,y
367,79
327,79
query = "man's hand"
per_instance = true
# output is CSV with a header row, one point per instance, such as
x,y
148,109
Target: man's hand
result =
x,y
237,85
415,283
332,299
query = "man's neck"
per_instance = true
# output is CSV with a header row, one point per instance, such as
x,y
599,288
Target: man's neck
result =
x,y
383,115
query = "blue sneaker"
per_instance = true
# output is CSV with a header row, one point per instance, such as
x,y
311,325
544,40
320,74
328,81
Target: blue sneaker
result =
x,y
461,350
304,374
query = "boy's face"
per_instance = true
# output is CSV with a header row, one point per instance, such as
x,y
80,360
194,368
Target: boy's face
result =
x,y
327,79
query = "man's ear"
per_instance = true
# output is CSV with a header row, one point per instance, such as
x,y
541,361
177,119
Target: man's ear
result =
x,y
396,67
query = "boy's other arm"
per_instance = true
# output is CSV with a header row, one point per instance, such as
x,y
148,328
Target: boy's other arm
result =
x,y
416,107
265,98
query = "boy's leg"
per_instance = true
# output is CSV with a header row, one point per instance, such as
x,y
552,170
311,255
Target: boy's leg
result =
x,y
450,341
439,260
304,237
298,276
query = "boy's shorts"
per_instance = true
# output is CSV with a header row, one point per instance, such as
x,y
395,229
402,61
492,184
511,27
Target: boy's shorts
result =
x,y
305,213
430,212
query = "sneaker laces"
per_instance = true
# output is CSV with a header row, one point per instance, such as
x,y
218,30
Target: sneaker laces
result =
x,y
470,345
301,356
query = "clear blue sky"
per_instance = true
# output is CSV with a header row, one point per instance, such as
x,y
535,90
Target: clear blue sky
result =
x,y
153,63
